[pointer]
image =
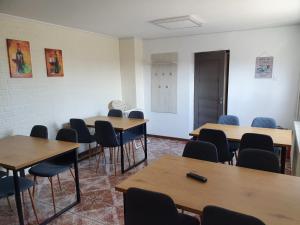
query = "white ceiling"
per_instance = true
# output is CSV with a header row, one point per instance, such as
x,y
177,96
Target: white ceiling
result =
x,y
128,18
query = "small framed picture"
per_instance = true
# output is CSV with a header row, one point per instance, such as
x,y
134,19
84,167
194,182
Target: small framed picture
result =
x,y
264,67
54,62
19,58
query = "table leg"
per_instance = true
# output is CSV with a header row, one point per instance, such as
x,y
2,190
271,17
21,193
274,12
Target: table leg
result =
x,y
145,141
124,205
283,158
122,151
76,176
18,197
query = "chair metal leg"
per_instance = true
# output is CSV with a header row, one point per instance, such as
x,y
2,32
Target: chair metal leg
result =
x,y
33,189
141,140
8,202
33,207
52,192
118,153
59,184
127,154
114,161
90,154
98,160
133,152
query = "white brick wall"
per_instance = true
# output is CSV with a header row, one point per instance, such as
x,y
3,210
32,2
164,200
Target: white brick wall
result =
x,y
92,77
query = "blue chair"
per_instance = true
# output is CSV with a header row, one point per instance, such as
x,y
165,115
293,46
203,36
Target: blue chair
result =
x,y
231,120
264,122
201,150
7,189
84,135
115,113
218,138
259,159
107,138
39,131
213,215
3,174
57,165
151,208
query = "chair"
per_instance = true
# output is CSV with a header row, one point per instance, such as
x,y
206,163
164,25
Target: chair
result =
x,y
150,208
7,189
39,131
259,141
264,122
107,138
115,113
84,135
218,138
231,120
57,165
213,215
259,159
201,150
135,133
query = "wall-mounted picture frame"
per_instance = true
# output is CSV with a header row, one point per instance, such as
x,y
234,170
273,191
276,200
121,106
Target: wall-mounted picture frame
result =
x,y
264,67
54,62
19,58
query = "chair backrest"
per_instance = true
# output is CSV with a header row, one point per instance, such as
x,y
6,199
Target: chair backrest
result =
x,y
229,120
83,132
105,134
136,115
213,215
149,208
264,122
218,138
115,113
201,150
39,131
67,134
70,135
259,159
259,141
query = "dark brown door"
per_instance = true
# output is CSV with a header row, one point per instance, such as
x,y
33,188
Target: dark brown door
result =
x,y
210,86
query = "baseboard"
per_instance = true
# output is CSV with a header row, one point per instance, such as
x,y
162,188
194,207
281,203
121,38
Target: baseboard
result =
x,y
168,137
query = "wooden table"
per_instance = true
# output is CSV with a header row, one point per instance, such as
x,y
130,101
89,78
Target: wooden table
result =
x,y
281,138
273,198
122,124
20,152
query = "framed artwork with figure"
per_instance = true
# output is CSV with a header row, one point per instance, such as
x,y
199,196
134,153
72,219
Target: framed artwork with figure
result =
x,y
19,58
54,62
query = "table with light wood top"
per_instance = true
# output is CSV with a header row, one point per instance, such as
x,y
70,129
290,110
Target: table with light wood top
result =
x,y
281,137
273,198
20,152
121,125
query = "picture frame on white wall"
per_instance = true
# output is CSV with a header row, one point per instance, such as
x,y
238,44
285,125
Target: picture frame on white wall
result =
x,y
264,67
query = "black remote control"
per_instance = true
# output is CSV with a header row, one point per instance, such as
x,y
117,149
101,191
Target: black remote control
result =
x,y
197,177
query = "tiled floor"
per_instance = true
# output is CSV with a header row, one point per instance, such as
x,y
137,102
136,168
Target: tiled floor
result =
x,y
100,205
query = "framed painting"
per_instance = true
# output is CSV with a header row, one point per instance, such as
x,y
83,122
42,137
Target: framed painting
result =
x,y
264,67
19,58
54,62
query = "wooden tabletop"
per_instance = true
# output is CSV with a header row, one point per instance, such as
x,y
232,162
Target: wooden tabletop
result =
x,y
17,152
280,137
119,123
272,197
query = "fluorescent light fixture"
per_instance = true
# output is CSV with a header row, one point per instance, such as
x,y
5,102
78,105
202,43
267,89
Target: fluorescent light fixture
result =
x,y
181,22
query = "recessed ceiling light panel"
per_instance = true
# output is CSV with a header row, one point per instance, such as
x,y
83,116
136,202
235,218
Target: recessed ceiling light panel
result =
x,y
181,22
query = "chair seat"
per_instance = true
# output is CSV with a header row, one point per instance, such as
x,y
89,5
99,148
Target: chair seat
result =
x,y
187,220
7,186
47,169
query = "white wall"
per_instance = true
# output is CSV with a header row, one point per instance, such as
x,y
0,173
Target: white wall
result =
x,y
92,77
248,97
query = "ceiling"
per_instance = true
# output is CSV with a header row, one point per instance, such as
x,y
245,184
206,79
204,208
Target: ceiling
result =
x,y
130,18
